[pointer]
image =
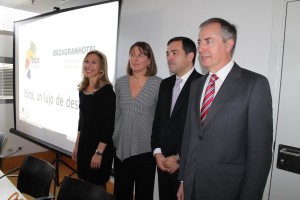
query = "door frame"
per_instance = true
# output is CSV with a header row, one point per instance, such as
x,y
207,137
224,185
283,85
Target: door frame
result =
x,y
275,74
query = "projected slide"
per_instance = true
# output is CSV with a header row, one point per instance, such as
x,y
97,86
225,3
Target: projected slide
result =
x,y
48,55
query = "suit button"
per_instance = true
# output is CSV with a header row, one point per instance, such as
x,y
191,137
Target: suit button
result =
x,y
200,137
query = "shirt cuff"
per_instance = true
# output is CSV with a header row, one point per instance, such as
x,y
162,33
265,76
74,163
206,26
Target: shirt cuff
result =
x,y
157,150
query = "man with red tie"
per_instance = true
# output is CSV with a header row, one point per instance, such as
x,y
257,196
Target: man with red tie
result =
x,y
227,143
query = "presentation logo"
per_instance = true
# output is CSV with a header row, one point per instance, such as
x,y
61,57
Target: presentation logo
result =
x,y
31,58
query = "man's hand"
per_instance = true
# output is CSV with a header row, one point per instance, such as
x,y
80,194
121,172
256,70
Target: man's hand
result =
x,y
180,192
160,158
170,164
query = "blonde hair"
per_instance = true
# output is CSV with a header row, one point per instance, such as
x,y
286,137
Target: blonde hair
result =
x,y
102,78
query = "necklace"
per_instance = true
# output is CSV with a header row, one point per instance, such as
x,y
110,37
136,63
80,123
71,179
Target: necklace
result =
x,y
90,90
89,93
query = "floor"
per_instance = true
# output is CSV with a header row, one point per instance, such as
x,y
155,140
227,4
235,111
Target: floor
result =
x,y
63,170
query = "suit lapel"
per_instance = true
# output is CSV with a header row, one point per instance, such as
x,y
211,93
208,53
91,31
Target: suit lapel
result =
x,y
199,90
169,91
226,90
182,95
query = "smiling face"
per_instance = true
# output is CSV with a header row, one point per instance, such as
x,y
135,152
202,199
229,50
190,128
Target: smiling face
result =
x,y
138,61
91,66
214,52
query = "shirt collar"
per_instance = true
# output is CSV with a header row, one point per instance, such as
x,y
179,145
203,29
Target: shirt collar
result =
x,y
223,72
186,75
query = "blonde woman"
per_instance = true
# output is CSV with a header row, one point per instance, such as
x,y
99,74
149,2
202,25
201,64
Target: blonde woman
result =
x,y
94,148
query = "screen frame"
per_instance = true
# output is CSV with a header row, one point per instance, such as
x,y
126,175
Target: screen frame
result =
x,y
25,135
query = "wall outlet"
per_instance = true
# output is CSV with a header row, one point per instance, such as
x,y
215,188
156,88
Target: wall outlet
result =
x,y
14,149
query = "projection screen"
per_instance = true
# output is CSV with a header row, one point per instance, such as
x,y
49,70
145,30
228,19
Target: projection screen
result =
x,y
48,54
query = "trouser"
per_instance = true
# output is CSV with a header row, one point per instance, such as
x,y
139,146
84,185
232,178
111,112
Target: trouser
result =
x,y
136,171
168,185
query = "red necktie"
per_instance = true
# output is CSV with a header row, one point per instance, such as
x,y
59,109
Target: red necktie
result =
x,y
208,97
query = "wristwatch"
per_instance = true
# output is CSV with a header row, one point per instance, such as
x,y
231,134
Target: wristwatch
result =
x,y
98,153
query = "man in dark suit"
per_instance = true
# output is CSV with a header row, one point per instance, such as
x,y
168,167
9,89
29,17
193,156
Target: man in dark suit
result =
x,y
170,114
227,145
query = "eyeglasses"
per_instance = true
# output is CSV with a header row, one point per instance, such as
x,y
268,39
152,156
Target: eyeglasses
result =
x,y
139,56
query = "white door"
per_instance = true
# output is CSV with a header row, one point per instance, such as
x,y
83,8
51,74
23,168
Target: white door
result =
x,y
285,177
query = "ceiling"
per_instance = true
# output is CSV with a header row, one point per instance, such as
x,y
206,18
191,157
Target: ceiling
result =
x,y
44,6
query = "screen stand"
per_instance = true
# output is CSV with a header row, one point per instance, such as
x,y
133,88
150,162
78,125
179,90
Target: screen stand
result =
x,y
57,161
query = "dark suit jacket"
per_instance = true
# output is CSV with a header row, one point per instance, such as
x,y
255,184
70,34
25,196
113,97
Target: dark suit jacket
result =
x,y
229,157
167,130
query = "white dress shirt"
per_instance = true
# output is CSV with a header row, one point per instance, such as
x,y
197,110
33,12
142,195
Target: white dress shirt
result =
x,y
184,79
222,74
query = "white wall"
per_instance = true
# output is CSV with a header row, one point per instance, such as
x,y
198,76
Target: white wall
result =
x,y
157,21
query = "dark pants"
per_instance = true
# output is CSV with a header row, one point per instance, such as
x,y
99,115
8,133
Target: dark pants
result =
x,y
168,185
136,171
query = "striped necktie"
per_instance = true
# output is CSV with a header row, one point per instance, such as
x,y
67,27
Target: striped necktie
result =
x,y
208,97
